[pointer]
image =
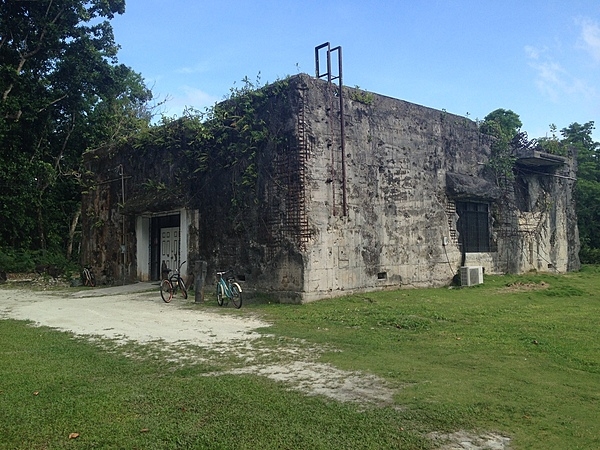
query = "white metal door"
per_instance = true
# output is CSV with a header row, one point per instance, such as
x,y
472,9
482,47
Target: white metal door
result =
x,y
169,247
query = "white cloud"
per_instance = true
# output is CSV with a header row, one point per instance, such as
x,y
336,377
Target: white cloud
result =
x,y
532,52
552,79
198,97
189,97
200,67
590,37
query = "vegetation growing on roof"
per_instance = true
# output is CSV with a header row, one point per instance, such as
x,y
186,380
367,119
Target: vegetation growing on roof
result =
x,y
212,146
364,97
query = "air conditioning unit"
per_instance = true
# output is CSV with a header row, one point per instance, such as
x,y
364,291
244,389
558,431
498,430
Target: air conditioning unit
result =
x,y
471,275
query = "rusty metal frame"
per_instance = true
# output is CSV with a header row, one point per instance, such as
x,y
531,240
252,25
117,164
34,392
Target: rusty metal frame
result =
x,y
330,79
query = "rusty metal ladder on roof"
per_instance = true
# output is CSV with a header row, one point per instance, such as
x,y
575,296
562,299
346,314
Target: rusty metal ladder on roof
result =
x,y
326,47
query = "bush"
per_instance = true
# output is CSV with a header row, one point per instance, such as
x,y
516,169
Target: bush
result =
x,y
22,261
17,261
589,255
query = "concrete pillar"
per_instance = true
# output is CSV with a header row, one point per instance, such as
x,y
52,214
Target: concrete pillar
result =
x,y
199,280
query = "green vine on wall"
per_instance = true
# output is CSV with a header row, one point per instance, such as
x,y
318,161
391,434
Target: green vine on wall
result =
x,y
221,143
239,134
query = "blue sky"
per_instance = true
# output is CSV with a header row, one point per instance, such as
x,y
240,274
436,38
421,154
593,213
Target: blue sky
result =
x,y
540,59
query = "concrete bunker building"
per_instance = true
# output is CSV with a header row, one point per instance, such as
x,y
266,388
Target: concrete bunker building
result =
x,y
407,200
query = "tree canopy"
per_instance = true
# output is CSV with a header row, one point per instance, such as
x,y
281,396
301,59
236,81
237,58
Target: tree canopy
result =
x,y
62,91
504,125
587,194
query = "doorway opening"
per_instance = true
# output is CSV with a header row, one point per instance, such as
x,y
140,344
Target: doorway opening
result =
x,y
164,237
165,244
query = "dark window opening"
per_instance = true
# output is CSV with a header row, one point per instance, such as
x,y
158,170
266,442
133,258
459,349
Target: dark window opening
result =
x,y
473,226
522,196
382,275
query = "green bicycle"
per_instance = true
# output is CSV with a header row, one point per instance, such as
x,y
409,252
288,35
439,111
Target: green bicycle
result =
x,y
228,288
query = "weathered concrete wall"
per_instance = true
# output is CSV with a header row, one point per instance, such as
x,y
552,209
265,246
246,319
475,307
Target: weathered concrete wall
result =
x,y
229,224
539,230
105,228
319,222
397,157
398,226
117,193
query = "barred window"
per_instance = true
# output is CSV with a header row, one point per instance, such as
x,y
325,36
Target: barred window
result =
x,y
473,226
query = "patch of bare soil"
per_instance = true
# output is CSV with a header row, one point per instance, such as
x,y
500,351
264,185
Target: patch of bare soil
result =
x,y
525,287
464,440
323,379
191,336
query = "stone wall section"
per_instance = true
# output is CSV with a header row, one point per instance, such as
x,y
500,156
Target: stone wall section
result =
x,y
322,222
397,156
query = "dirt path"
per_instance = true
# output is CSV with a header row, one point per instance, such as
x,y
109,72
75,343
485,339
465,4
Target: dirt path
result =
x,y
132,314
140,317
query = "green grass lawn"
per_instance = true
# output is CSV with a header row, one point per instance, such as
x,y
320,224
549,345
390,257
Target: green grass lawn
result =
x,y
517,355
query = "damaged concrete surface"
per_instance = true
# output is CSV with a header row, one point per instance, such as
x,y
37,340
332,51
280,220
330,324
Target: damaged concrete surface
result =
x,y
191,336
379,194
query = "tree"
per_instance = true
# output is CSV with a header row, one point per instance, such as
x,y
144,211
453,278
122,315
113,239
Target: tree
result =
x,y
579,137
61,92
587,193
504,125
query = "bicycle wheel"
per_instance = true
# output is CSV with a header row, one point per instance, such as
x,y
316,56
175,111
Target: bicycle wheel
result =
x,y
166,291
220,294
236,292
183,288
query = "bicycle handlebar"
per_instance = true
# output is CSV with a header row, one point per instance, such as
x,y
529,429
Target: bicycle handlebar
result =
x,y
178,270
